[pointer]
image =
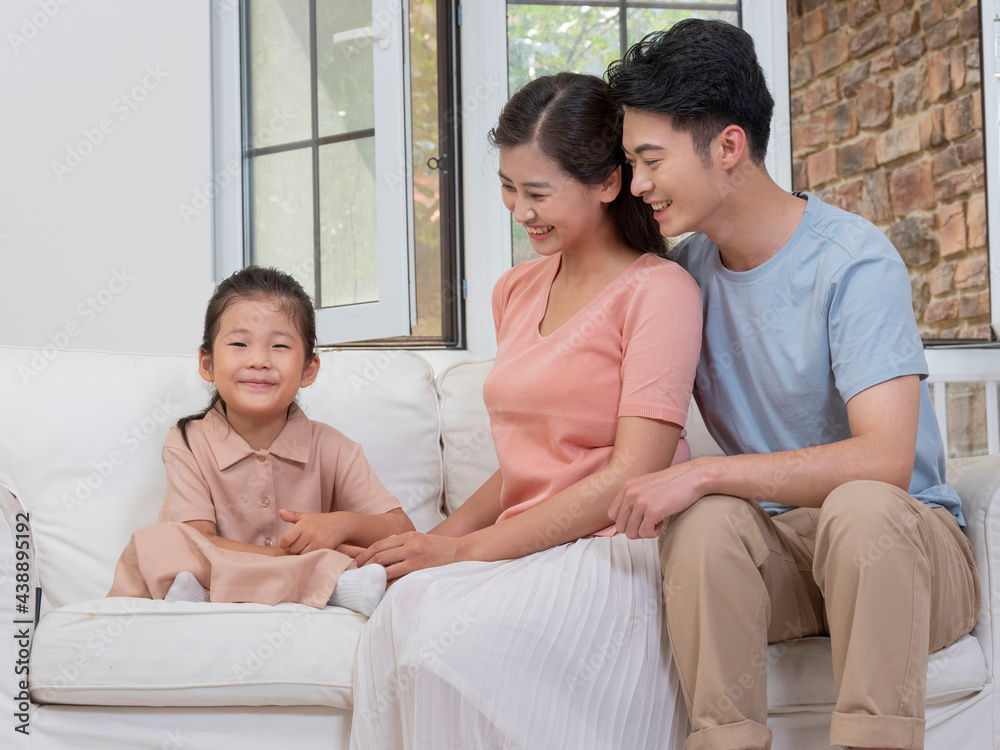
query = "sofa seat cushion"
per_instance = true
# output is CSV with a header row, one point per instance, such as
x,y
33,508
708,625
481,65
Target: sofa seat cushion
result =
x,y
800,674
141,652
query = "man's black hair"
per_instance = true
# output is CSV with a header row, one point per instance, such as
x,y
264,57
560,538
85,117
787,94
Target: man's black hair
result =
x,y
705,76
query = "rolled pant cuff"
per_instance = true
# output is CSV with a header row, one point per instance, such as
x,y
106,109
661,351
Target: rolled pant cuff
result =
x,y
743,735
856,730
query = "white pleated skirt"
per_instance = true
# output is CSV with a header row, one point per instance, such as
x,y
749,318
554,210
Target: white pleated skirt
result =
x,y
566,648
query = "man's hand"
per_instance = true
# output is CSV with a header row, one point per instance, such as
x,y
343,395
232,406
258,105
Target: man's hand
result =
x,y
412,551
644,502
313,531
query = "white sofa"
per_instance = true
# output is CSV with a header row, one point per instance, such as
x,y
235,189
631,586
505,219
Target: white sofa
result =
x,y
80,469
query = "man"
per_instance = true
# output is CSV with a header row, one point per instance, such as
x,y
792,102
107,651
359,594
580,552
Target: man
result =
x,y
811,381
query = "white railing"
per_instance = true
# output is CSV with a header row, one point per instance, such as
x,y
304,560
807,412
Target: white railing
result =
x,y
966,365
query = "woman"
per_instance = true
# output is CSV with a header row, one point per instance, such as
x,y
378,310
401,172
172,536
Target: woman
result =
x,y
530,624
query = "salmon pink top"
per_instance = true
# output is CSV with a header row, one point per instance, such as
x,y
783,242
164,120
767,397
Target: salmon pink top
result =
x,y
554,401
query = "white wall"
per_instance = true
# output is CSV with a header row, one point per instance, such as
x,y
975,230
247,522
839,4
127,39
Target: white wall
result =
x,y
94,251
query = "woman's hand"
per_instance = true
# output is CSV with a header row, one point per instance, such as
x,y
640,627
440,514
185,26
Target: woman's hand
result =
x,y
405,553
313,531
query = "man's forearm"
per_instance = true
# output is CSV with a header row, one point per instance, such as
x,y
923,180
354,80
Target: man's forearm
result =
x,y
803,477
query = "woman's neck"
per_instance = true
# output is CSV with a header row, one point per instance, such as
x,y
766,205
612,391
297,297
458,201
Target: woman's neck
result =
x,y
604,255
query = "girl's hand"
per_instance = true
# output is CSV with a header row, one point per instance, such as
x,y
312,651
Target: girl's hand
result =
x,y
312,531
405,553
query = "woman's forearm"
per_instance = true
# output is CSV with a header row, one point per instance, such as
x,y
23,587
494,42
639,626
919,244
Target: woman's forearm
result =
x,y
642,446
576,512
478,512
365,530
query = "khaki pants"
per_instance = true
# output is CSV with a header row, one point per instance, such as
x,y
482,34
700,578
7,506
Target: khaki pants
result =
x,y
887,578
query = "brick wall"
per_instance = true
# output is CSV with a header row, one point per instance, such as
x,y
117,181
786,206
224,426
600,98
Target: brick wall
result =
x,y
887,122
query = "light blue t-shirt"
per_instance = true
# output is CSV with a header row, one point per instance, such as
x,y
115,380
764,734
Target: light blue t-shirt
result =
x,y
786,345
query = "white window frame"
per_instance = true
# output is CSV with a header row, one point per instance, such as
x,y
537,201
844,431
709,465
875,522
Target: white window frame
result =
x,y
390,316
487,233
991,133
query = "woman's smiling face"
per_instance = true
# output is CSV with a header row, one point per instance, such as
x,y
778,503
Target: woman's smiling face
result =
x,y
557,211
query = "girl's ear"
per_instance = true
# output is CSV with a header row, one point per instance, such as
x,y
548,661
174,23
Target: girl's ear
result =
x,y
205,366
310,372
611,186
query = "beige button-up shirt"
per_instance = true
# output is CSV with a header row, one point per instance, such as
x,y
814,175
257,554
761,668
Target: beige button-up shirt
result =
x,y
310,467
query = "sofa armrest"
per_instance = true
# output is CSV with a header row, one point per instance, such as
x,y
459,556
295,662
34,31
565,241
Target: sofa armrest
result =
x,y
977,481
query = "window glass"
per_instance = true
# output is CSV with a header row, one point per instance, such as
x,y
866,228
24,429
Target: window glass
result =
x,y
345,97
346,216
278,55
281,227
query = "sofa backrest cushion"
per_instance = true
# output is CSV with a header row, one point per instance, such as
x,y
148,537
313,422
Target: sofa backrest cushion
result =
x,y
81,435
469,456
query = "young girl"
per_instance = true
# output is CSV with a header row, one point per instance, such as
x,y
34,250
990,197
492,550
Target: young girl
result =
x,y
540,628
262,504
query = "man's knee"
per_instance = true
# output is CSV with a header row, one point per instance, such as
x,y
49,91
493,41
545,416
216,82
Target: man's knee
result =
x,y
864,504
865,520
710,523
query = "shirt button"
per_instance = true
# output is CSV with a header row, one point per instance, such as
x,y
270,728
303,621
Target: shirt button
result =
x,y
262,458
265,502
268,542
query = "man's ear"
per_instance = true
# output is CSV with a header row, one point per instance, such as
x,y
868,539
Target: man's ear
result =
x,y
205,366
732,146
611,186
310,371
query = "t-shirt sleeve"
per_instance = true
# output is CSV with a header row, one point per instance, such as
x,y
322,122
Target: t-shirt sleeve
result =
x,y
357,488
188,497
661,343
873,333
499,301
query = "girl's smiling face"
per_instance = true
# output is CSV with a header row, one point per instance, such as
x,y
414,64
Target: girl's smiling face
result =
x,y
558,212
258,363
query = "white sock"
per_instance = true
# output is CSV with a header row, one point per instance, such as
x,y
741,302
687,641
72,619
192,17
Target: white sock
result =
x,y
360,589
186,588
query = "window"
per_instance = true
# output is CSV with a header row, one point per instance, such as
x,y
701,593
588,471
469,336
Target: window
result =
x,y
343,141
